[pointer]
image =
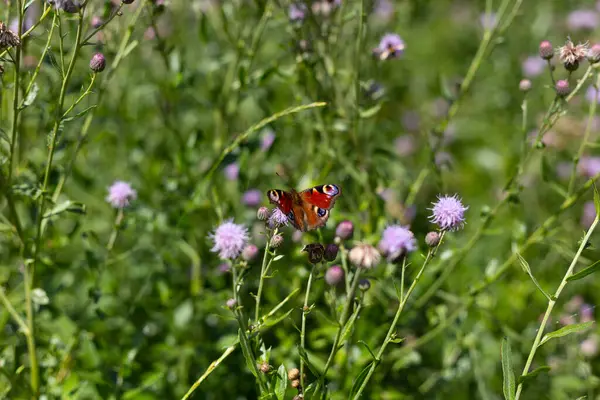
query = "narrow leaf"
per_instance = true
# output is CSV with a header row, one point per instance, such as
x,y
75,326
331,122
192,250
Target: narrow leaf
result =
x,y
277,258
281,385
31,95
79,114
596,200
270,322
370,112
534,373
564,331
67,206
525,266
304,357
585,272
508,387
368,348
348,328
247,354
359,380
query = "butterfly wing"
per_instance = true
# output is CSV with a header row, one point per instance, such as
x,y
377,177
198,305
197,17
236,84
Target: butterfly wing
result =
x,y
316,203
290,204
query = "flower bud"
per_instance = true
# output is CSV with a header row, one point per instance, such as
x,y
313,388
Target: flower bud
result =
x,y
98,62
546,50
296,383
331,252
315,252
293,374
263,214
344,230
525,85
364,285
432,239
571,66
276,241
250,252
334,275
364,256
562,88
593,54
264,367
231,303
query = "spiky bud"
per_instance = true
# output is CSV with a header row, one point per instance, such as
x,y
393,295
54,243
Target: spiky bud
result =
x,y
364,285
98,62
276,241
432,239
331,252
315,252
263,214
546,50
264,367
562,87
344,230
593,54
525,85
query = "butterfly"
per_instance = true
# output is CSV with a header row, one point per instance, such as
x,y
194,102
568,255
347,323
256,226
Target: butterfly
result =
x,y
308,209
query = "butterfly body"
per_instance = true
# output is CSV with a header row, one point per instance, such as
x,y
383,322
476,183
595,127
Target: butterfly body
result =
x,y
308,209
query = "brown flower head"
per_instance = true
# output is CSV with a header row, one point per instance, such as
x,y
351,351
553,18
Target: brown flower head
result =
x,y
364,256
7,37
315,252
572,54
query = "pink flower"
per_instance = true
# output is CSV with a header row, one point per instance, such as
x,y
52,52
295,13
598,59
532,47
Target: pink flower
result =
x,y
334,275
448,213
229,239
533,66
232,171
588,215
120,194
396,241
582,19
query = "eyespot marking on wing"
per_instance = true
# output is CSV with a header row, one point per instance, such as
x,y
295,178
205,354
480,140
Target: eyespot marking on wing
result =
x,y
273,195
291,216
321,212
331,190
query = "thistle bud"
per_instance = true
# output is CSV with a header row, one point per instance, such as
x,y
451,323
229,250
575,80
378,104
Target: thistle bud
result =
x,y
264,367
334,275
263,214
331,252
364,285
98,62
231,303
250,252
276,241
364,256
432,239
546,50
562,88
593,54
525,85
344,230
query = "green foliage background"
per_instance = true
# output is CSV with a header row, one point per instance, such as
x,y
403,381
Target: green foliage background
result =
x,y
144,319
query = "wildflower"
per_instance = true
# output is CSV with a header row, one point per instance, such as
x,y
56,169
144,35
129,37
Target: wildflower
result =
x,y
588,215
405,145
224,268
448,213
264,367
250,252
589,347
120,194
571,54
396,241
592,94
582,19
229,239
562,88
533,66
315,252
231,303
263,214
98,62
232,171
390,46
586,313
344,230
331,252
593,54
334,275
488,21
546,51
525,85
252,197
432,239
364,284
297,12
293,374
276,241
410,120
267,140
589,166
364,256
8,38
277,219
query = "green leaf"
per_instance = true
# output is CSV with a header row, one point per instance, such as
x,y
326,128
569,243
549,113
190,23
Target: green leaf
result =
x,y
79,114
525,266
270,322
359,380
368,349
66,206
585,272
370,112
247,354
508,387
534,373
564,331
596,200
277,258
304,358
281,385
31,96
348,328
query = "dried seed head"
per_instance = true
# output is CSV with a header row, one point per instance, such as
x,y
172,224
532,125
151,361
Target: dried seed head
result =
x,y
315,252
8,38
571,66
98,62
364,285
331,252
127,1
296,383
562,88
276,241
546,50
263,214
572,54
293,374
432,239
593,54
364,256
525,85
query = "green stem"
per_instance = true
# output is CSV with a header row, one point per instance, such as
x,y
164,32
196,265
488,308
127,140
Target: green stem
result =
x,y
263,273
31,349
305,311
16,84
115,230
42,57
552,301
85,93
391,331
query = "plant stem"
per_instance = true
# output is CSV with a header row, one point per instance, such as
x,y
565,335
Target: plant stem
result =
x,y
16,84
392,329
305,311
115,230
85,93
263,272
552,301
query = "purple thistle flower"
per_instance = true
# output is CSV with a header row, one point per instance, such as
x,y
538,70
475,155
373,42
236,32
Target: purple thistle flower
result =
x,y
297,12
592,94
224,268
589,214
533,66
232,171
252,197
120,194
448,213
277,219
390,46
589,166
405,145
582,19
383,9
334,275
267,140
396,241
229,239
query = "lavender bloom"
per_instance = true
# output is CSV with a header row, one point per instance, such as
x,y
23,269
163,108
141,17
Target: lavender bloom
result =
x,y
592,94
405,145
224,268
448,213
277,219
267,140
390,46
582,19
229,239
334,275
533,66
297,12
232,171
488,21
589,214
120,193
586,313
396,241
383,9
589,347
252,197
589,166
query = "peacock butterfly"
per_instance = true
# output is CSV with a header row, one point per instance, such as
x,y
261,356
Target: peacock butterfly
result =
x,y
308,209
